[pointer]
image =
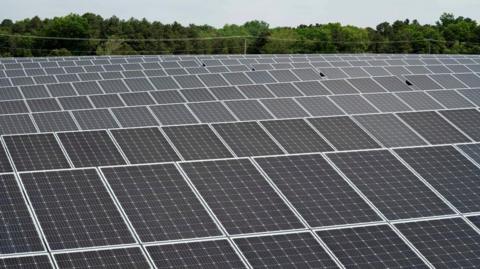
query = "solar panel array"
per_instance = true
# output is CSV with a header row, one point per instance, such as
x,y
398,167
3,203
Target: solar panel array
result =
x,y
240,161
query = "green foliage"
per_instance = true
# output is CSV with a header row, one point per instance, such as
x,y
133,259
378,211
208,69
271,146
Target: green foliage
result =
x,y
106,36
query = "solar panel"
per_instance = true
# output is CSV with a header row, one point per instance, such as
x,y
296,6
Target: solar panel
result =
x,y
311,88
95,119
389,185
255,91
339,86
240,196
247,139
419,100
284,108
173,114
296,136
168,97
433,128
54,121
197,95
248,110
196,142
16,124
450,99
468,120
18,232
299,250
35,152
110,258
316,190
210,254
371,246
159,203
343,133
75,102
144,145
106,100
26,262
353,104
389,130
386,102
89,149
472,150
74,209
284,90
445,243
449,172
134,116
211,112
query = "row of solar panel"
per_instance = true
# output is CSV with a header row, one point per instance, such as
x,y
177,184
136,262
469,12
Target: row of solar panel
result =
x,y
80,209
370,246
154,69
287,87
379,59
263,103
243,139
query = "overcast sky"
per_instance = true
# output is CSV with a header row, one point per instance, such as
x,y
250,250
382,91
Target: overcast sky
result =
x,y
275,12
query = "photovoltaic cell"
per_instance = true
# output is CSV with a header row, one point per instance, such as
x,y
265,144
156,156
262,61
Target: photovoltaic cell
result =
x,y
316,190
144,145
389,185
446,243
247,139
296,136
109,258
449,172
196,142
299,250
205,254
74,209
36,152
343,133
159,203
371,247
88,149
433,127
240,196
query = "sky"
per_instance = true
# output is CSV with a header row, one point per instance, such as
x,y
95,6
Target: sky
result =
x,y
276,12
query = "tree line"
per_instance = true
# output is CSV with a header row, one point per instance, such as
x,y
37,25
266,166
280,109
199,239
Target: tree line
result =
x,y
90,34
